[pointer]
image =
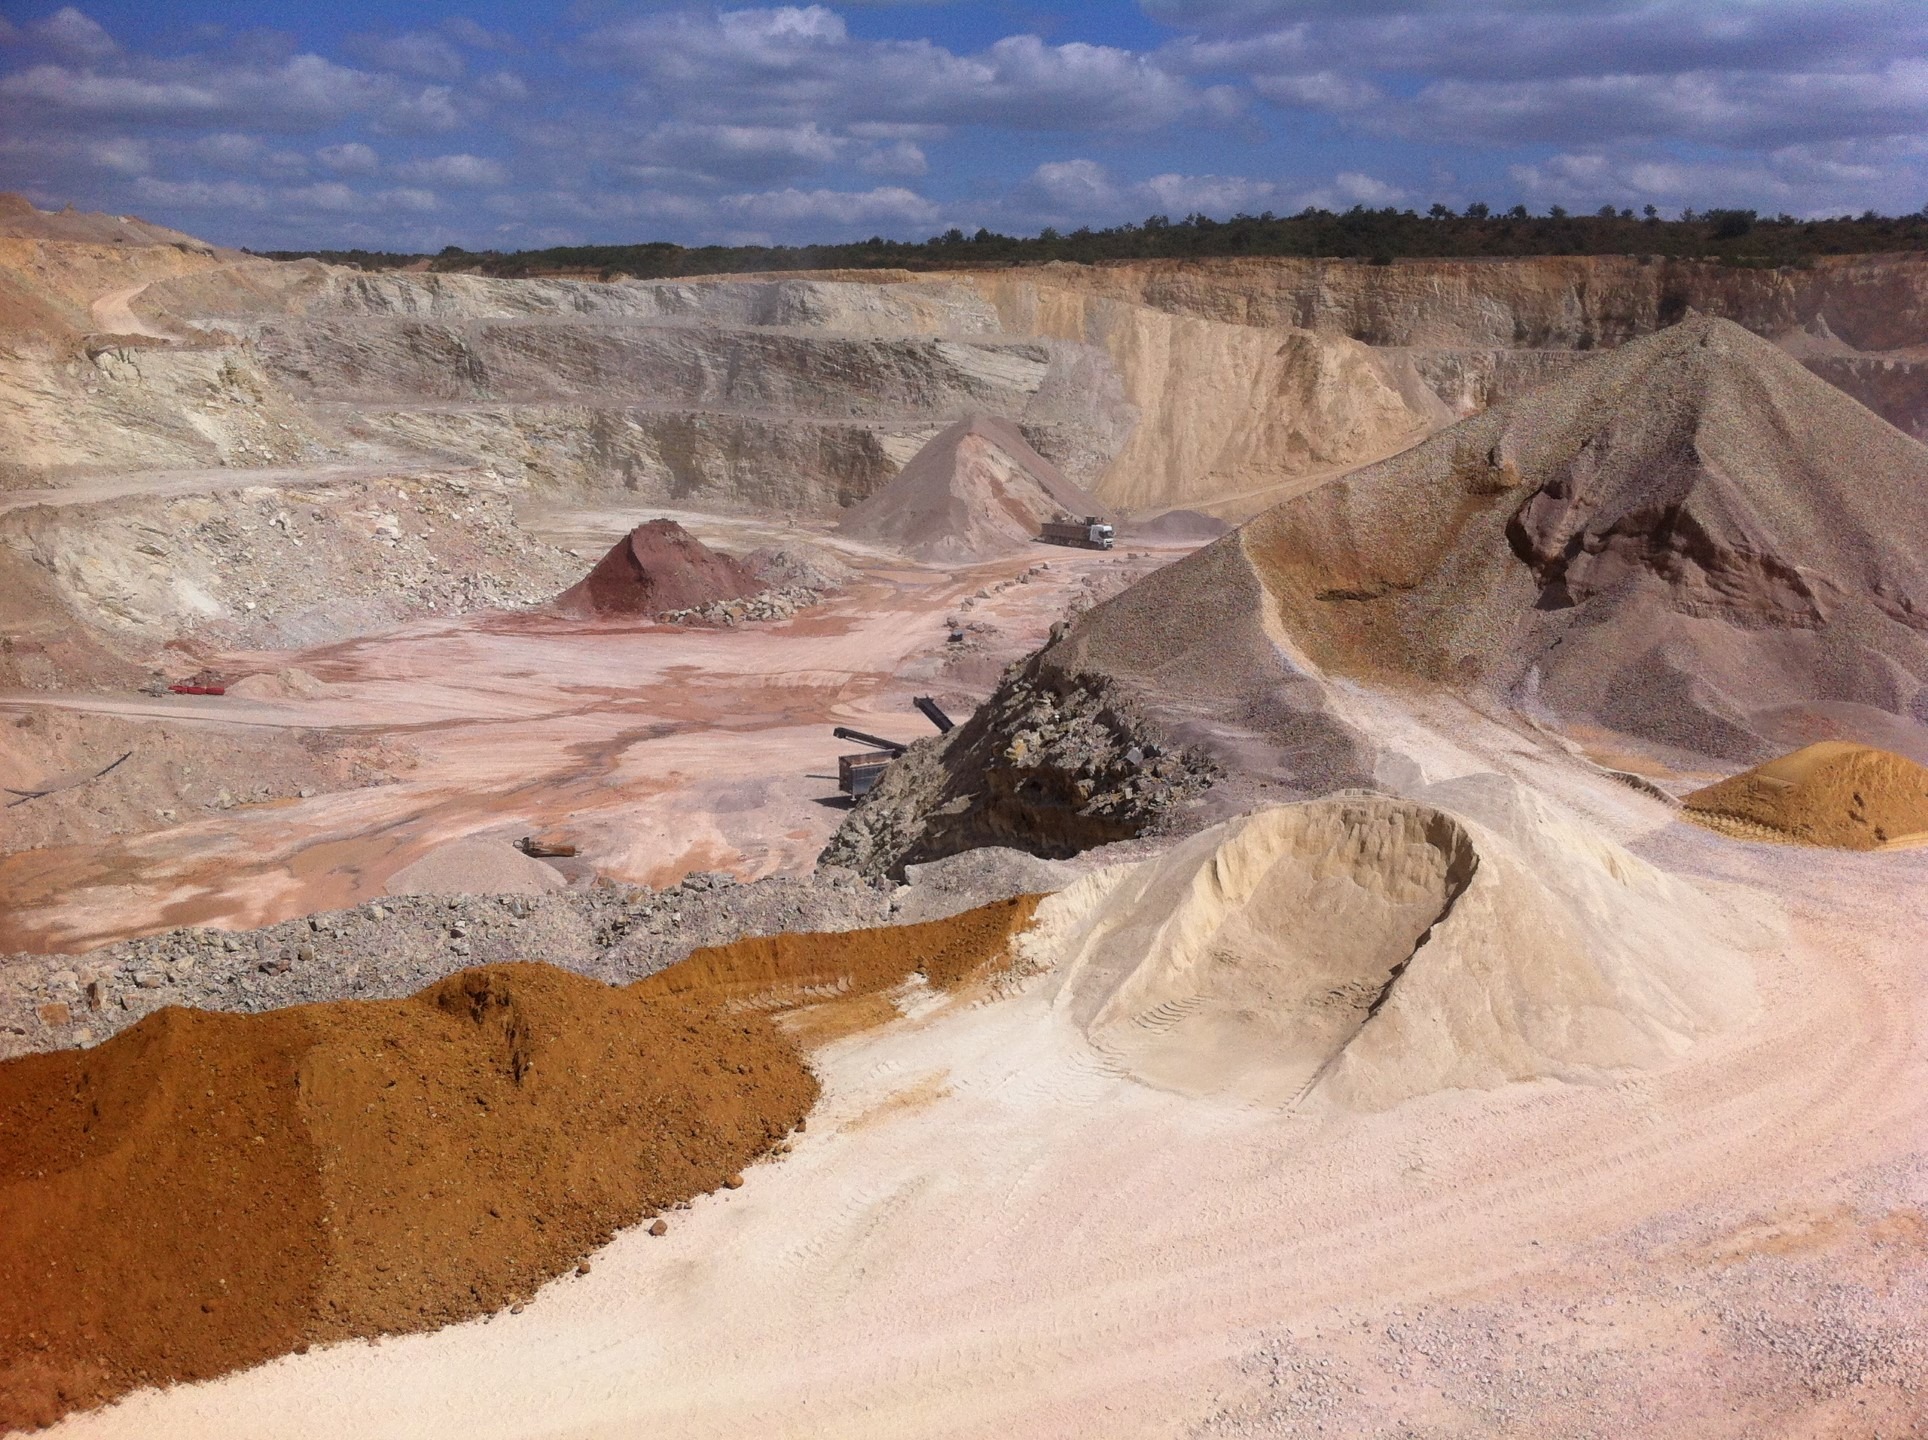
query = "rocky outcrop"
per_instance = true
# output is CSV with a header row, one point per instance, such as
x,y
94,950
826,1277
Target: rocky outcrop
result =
x,y
1481,331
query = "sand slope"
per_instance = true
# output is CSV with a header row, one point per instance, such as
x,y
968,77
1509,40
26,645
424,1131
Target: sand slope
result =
x,y
205,1191
1365,950
975,491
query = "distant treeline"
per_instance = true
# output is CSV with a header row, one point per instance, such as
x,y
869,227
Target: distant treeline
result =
x,y
1736,237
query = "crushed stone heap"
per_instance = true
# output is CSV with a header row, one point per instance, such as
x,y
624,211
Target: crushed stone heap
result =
x,y
976,491
1690,541
1850,797
657,567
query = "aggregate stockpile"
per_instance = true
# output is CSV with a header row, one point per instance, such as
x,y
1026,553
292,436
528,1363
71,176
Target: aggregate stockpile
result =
x,y
206,1191
1850,797
976,491
1690,541
657,567
1693,541
1373,949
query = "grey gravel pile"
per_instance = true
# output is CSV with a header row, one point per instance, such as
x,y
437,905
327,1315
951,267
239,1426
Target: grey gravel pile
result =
x,y
394,947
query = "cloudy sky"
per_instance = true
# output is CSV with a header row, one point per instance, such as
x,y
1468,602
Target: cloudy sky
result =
x,y
508,125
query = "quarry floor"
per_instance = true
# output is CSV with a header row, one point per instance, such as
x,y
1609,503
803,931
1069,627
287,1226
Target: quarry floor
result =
x,y
989,1230
657,750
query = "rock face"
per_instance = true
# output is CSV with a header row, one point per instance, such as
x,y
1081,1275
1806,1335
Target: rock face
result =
x,y
1480,331
655,568
976,491
1228,414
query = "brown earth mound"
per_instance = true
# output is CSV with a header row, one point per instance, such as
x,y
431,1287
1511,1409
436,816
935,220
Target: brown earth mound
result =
x,y
1850,797
657,567
205,1191
976,490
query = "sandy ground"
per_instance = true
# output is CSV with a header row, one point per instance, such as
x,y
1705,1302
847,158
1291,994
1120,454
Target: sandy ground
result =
x,y
658,750
988,1231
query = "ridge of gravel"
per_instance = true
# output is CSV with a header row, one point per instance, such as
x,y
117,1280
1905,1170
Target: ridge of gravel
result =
x,y
388,948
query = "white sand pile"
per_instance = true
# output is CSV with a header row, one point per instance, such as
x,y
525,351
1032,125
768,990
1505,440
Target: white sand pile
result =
x,y
977,490
475,867
1362,950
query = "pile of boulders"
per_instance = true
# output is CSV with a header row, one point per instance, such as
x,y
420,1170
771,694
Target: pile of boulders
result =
x,y
767,605
1050,764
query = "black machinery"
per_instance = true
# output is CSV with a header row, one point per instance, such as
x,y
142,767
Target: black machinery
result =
x,y
857,774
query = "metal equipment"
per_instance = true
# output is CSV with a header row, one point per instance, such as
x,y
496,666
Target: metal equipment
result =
x,y
934,714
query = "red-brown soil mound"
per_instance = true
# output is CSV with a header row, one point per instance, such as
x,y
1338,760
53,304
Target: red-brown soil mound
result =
x,y
656,567
206,1191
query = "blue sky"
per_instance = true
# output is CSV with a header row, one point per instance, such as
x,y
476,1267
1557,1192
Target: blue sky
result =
x,y
493,124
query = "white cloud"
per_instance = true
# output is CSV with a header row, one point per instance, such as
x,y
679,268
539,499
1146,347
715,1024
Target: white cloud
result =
x,y
1704,107
900,158
833,208
201,194
327,195
248,155
801,64
503,86
409,198
420,53
1319,90
74,36
457,170
122,155
742,153
306,90
350,158
432,110
1806,180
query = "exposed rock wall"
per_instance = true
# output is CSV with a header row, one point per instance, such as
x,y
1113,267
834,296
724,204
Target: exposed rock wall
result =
x,y
1546,302
1482,331
795,465
1226,412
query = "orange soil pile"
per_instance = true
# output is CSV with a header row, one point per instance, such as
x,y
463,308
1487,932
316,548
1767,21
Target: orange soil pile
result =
x,y
656,567
1850,797
848,964
206,1191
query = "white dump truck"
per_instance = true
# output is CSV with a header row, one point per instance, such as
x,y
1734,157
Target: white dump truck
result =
x,y
1090,533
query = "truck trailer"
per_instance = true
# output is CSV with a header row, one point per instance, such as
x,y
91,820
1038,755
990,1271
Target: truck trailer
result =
x,y
1090,533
